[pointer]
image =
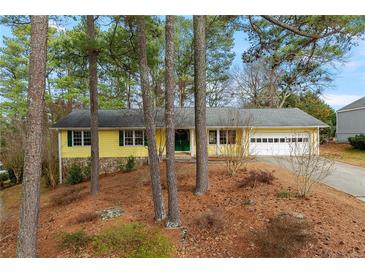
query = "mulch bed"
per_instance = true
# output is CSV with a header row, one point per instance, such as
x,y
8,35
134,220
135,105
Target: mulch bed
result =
x,y
338,219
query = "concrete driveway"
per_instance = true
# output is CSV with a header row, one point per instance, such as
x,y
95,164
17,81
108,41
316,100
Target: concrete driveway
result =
x,y
344,177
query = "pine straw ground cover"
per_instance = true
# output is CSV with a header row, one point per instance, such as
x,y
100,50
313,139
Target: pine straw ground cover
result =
x,y
218,224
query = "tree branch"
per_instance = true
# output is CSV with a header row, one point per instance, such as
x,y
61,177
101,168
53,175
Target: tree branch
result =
x,y
291,28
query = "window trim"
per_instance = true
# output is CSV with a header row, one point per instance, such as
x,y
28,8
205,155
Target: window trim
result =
x,y
134,137
82,138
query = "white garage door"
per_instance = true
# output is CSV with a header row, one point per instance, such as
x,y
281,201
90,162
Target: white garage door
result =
x,y
278,143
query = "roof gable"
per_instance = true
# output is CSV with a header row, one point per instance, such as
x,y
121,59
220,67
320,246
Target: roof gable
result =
x,y
360,103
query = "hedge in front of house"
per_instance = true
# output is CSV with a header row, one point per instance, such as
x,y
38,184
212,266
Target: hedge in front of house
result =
x,y
358,141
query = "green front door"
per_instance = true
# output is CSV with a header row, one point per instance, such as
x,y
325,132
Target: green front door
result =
x,y
182,142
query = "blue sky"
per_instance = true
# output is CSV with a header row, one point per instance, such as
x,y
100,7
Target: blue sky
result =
x,y
349,78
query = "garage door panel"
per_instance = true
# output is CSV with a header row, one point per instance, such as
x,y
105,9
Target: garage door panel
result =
x,y
278,143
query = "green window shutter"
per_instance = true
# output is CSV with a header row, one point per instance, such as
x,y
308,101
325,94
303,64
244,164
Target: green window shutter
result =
x,y
121,139
145,139
69,138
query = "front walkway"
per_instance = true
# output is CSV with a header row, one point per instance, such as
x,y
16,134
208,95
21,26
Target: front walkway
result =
x,y
347,178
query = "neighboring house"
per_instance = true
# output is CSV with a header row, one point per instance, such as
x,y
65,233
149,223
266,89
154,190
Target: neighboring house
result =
x,y
121,133
350,120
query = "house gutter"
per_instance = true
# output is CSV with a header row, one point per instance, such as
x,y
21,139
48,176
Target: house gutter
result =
x,y
209,127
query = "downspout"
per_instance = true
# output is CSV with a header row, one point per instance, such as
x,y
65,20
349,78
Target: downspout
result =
x,y
192,132
59,157
318,141
336,127
218,147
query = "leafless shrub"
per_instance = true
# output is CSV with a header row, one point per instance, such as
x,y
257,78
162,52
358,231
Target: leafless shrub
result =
x,y
69,196
307,165
212,219
285,236
12,151
256,177
235,151
86,217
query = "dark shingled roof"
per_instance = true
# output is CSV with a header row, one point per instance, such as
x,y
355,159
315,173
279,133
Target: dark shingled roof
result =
x,y
360,103
184,118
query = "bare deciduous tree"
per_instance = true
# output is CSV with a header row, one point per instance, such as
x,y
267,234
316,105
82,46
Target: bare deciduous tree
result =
x,y
93,86
173,211
237,154
12,154
149,120
255,85
29,211
199,24
307,165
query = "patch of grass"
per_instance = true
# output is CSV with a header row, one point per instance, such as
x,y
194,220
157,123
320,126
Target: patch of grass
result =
x,y
211,219
286,194
256,177
132,240
285,236
68,196
74,241
344,153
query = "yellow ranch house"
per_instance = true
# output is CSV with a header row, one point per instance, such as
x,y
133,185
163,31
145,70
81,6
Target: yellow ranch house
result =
x,y
122,134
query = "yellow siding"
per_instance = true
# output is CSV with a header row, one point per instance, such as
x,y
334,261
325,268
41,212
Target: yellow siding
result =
x,y
161,141
108,147
109,143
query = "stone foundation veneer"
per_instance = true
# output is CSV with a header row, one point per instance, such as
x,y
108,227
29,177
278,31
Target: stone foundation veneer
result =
x,y
107,165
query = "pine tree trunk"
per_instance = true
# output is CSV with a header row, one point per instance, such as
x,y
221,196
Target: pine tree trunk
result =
x,y
149,121
173,211
200,105
2,209
29,211
93,82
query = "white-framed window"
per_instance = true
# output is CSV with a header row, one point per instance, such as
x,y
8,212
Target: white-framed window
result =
x,y
223,137
86,138
128,137
212,137
138,137
231,137
81,138
132,137
227,137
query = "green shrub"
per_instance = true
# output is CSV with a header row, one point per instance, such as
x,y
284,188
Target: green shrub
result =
x,y
129,165
75,241
358,141
86,170
74,175
4,177
132,241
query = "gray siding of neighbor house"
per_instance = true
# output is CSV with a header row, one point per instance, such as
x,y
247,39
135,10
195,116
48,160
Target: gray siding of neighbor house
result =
x,y
350,123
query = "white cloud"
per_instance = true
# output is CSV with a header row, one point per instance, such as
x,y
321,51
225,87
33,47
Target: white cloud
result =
x,y
339,100
353,65
54,24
